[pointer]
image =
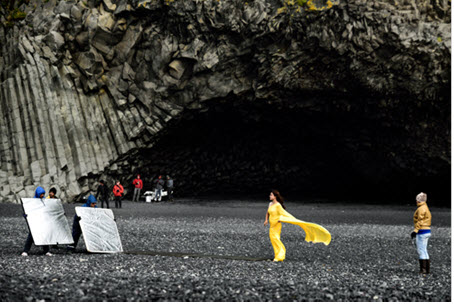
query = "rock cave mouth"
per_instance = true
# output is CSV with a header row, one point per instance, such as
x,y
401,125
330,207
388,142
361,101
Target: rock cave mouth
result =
x,y
235,148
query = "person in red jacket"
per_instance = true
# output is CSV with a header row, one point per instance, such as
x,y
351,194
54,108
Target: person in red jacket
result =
x,y
118,192
138,186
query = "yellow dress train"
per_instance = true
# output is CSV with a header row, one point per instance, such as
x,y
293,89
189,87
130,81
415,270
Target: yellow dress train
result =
x,y
314,233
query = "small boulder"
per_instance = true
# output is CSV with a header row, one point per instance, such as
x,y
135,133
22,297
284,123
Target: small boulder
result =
x,y
177,68
54,40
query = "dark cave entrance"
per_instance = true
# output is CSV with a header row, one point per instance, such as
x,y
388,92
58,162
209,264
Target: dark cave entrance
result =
x,y
248,148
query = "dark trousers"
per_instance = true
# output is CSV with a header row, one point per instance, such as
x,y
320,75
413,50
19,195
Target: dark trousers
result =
x,y
77,231
102,200
170,194
29,242
117,201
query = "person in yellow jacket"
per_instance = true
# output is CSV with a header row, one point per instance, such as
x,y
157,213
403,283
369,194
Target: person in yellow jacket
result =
x,y
276,214
422,220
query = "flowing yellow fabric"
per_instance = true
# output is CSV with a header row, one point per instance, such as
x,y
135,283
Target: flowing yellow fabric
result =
x,y
314,233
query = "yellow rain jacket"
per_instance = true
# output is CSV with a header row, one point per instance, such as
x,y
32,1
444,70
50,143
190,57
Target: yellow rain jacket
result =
x,y
422,217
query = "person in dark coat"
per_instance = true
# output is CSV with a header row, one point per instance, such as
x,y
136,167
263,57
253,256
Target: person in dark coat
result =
x,y
77,231
169,187
102,194
39,193
158,186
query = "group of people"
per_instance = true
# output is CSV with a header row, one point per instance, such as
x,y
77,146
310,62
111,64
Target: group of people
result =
x,y
103,192
158,186
76,230
275,215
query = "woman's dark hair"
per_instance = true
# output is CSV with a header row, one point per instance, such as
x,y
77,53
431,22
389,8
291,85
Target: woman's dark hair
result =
x,y
279,197
53,190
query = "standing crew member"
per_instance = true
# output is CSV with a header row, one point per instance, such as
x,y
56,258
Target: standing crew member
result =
x,y
118,193
138,186
158,185
169,186
39,193
52,193
102,194
77,231
422,220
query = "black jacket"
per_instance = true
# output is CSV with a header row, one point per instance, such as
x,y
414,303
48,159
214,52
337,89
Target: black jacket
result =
x,y
102,192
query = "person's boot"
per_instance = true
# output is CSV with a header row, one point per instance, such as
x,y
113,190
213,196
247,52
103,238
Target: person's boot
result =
x,y
421,266
424,267
427,266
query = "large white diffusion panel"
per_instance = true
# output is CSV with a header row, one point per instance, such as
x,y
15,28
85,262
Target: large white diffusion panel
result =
x,y
47,221
99,230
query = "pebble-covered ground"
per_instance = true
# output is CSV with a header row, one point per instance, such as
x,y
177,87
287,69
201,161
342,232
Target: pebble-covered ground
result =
x,y
371,256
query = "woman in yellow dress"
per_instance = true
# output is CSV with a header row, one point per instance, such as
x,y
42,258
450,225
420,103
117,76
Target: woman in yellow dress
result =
x,y
276,214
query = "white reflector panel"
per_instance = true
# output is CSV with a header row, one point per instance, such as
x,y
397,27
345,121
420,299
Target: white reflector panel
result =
x,y
47,221
99,230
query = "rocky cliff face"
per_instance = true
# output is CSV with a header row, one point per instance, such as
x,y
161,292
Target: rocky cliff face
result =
x,y
226,95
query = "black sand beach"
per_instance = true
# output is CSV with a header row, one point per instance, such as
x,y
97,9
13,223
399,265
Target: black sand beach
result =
x,y
371,256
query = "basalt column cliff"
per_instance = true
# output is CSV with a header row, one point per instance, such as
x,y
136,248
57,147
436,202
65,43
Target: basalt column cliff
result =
x,y
347,97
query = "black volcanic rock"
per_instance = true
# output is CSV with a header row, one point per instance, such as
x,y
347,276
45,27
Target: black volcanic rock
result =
x,y
354,96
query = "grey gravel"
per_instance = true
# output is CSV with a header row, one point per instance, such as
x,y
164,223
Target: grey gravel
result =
x,y
366,261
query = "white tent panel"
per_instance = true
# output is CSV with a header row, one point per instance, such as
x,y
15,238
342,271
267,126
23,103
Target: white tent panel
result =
x,y
47,221
99,230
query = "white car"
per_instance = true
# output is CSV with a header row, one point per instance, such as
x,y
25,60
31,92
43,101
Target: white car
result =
x,y
151,195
